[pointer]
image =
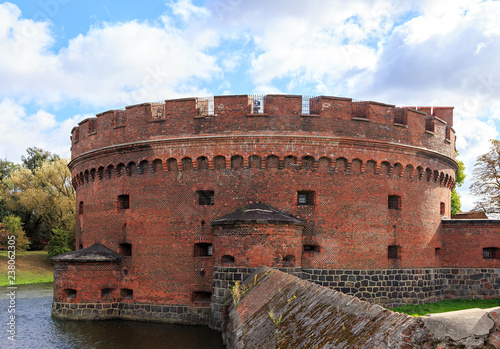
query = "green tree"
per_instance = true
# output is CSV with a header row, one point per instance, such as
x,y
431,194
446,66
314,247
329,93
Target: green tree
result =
x,y
456,205
486,180
11,226
59,243
6,168
44,199
37,157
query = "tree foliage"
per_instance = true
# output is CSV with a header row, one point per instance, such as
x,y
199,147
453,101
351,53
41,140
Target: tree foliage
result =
x,y
59,243
486,180
37,157
456,205
6,168
42,195
11,226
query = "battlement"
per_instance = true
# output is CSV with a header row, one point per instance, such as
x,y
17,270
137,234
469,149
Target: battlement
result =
x,y
426,127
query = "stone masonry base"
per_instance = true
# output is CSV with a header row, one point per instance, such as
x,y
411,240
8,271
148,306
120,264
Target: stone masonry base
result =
x,y
178,314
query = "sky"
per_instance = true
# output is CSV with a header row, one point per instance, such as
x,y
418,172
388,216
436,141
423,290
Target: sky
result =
x,y
62,61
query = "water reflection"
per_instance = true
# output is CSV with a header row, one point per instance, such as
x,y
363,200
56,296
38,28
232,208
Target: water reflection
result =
x,y
36,329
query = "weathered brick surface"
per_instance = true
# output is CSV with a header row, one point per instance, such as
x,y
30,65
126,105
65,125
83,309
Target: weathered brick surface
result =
x,y
352,155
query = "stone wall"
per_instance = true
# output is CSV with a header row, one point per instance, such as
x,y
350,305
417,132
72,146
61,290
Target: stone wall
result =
x,y
178,314
471,282
388,287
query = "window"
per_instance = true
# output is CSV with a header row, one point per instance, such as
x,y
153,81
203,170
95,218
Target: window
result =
x,y
394,202
80,207
490,253
227,259
201,296
289,261
123,202
107,293
311,248
305,198
125,250
205,197
437,252
394,252
203,249
442,208
70,293
126,293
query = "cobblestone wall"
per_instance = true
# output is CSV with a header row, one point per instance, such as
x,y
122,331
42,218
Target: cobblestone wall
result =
x,y
178,314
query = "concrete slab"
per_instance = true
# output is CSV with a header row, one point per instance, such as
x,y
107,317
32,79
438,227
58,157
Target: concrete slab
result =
x,y
458,325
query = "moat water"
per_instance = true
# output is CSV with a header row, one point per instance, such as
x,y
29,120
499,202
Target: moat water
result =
x,y
35,328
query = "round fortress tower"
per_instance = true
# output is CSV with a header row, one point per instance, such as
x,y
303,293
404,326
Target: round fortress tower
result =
x,y
189,188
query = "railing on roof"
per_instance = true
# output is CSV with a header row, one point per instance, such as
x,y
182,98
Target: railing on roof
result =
x,y
310,105
257,104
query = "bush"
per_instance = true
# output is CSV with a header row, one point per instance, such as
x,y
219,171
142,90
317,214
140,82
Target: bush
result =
x,y
59,243
11,226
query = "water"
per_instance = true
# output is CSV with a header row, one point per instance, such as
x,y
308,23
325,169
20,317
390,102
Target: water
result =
x,y
35,328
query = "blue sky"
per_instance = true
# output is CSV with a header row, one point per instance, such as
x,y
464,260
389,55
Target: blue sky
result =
x,y
64,60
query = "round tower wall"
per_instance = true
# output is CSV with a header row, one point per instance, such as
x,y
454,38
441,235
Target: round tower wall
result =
x,y
144,177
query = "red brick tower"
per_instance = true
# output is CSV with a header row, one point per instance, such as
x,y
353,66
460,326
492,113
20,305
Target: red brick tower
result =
x,y
193,193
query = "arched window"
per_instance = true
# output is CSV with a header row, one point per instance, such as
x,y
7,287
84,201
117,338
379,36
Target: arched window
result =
x,y
227,259
187,164
219,163
272,161
202,162
172,164
254,161
236,162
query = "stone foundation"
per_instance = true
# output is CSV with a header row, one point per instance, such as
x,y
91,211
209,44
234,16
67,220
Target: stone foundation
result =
x,y
177,314
387,287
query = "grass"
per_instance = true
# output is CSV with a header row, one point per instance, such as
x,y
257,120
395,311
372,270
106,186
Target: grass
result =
x,y
32,267
445,306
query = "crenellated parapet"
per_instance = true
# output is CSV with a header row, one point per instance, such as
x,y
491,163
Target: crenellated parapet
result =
x,y
425,127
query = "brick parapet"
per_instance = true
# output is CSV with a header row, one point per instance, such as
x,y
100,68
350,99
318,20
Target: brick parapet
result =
x,y
328,116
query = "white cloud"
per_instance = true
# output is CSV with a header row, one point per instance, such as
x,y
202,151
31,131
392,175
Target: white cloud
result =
x,y
20,131
107,66
186,10
324,44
